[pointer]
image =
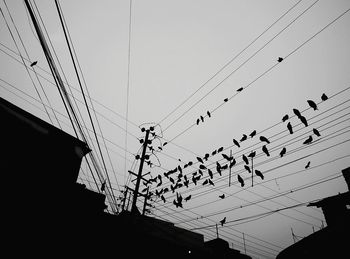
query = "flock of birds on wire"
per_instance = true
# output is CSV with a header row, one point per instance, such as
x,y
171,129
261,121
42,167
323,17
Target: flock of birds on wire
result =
x,y
202,171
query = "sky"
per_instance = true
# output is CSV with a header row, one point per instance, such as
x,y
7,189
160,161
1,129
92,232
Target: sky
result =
x,y
165,64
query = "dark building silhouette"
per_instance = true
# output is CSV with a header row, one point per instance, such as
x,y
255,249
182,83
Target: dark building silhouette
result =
x,y
331,241
49,214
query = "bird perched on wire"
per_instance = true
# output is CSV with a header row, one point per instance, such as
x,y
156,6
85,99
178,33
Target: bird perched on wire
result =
x,y
236,143
258,173
223,221
265,150
197,122
245,159
208,113
316,132
285,117
187,198
103,186
253,133
240,89
202,118
264,139
283,151
252,154
247,168
34,63
280,59
222,196
308,140
244,137
290,128
324,97
240,180
297,112
312,104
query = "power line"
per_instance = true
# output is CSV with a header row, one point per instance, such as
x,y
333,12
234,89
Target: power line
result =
x,y
231,60
267,71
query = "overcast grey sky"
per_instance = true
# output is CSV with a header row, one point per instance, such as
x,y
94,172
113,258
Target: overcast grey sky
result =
x,y
175,48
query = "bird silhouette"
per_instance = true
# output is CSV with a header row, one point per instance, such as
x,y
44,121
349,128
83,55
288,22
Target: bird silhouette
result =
x,y
253,133
224,167
213,153
220,149
206,156
200,172
187,198
211,182
283,151
200,160
34,63
265,150
247,168
225,100
227,157
245,159
163,198
201,166
244,137
290,128
312,104
280,59
240,180
264,139
208,113
222,196
297,112
202,119
197,122
307,165
316,132
324,97
223,221
240,89
308,140
232,163
258,173
252,154
236,143
285,117
210,173
303,120
205,182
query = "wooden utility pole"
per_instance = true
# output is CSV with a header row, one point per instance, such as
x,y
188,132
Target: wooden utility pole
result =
x,y
139,175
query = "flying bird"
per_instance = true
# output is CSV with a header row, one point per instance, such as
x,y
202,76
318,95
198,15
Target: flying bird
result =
x,y
316,132
307,165
297,112
290,128
324,97
208,113
312,104
244,137
222,196
34,63
308,140
283,152
245,159
253,133
223,221
265,150
240,180
258,173
247,168
303,120
285,117
236,143
280,59
240,89
264,139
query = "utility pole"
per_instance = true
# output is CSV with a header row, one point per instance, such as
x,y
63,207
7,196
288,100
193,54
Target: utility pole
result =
x,y
139,175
